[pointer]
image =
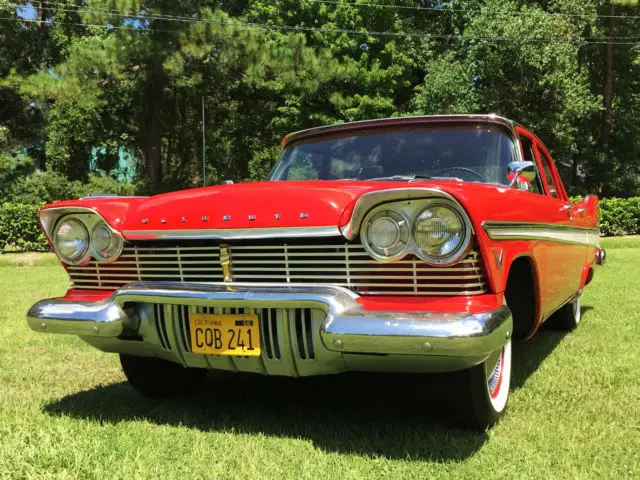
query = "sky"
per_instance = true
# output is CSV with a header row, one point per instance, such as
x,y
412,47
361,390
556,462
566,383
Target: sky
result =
x,y
27,11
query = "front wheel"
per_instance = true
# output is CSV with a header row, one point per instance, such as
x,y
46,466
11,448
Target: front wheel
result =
x,y
482,391
156,378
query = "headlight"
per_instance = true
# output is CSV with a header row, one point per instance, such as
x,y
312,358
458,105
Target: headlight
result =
x,y
440,234
386,235
106,245
71,240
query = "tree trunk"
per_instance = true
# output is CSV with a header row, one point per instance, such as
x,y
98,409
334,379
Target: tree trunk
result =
x,y
153,133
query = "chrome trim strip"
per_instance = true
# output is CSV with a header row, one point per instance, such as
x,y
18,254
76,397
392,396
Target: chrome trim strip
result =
x,y
542,231
368,201
229,234
347,327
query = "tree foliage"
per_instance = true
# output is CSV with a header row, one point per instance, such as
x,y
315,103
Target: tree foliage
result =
x,y
136,73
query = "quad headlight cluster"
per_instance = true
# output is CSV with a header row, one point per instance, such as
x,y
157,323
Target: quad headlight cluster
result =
x,y
76,239
436,230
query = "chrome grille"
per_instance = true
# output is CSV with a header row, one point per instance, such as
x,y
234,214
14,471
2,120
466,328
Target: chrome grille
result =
x,y
346,264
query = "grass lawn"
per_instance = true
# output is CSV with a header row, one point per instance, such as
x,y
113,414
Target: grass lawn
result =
x,y
65,411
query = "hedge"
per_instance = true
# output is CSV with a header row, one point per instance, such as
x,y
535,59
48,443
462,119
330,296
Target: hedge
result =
x,y
620,216
20,229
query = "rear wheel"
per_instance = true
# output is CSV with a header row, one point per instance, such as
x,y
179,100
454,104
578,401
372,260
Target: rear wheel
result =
x,y
156,378
567,318
482,391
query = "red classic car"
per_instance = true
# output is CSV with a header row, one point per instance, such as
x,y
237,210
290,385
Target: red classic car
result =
x,y
419,244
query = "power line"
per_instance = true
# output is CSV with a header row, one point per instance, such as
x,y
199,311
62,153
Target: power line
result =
x,y
79,24
424,9
406,7
237,24
467,10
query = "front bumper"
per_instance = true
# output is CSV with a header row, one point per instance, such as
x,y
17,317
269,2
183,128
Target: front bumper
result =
x,y
350,338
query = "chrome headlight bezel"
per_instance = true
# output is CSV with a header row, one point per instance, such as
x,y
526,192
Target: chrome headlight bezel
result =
x,y
401,243
51,219
465,235
85,256
113,250
410,211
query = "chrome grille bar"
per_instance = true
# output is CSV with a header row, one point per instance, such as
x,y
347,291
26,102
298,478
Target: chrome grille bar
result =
x,y
347,265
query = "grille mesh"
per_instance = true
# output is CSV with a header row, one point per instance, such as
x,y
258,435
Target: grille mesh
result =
x,y
346,264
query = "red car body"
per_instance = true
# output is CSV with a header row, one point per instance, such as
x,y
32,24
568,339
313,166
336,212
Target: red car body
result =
x,y
554,240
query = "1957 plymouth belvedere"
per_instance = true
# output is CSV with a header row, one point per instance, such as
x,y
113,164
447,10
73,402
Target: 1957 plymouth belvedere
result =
x,y
420,244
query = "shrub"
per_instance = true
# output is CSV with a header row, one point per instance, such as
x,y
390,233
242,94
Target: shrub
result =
x,y
19,225
620,216
46,187
20,229
41,187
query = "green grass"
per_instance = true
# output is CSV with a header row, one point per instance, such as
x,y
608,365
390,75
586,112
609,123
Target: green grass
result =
x,y
631,241
65,411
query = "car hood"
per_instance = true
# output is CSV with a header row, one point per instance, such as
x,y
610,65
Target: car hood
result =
x,y
284,204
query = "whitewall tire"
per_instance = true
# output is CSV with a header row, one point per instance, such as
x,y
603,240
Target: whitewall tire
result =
x,y
482,392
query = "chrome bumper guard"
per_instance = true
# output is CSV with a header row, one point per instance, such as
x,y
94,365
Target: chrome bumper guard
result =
x,y
347,328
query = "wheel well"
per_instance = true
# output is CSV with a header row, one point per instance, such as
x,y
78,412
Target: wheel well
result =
x,y
520,294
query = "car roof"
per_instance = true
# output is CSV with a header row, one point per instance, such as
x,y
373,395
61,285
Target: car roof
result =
x,y
397,121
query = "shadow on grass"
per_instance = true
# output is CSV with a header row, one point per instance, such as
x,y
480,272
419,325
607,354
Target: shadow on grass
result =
x,y
394,416
527,356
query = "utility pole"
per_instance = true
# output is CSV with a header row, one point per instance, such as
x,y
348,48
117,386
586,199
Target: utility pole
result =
x,y
608,82
204,155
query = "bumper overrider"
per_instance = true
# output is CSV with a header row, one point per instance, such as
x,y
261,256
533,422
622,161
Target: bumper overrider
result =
x,y
344,335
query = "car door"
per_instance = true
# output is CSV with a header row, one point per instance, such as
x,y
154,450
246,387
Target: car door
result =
x,y
561,253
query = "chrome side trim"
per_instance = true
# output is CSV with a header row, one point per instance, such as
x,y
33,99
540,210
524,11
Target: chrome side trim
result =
x,y
542,231
347,328
229,234
370,200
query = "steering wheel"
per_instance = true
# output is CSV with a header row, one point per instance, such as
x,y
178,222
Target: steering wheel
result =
x,y
468,171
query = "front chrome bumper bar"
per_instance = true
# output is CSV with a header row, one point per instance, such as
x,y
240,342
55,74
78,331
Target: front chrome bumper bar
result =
x,y
347,328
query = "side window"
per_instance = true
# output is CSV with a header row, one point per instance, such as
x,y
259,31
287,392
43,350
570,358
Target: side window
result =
x,y
529,156
553,191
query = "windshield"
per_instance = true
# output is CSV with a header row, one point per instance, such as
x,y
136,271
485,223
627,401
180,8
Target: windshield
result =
x,y
477,153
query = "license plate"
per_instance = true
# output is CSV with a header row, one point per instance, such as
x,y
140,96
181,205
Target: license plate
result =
x,y
222,334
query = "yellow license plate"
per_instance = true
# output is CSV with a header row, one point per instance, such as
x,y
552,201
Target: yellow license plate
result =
x,y
221,334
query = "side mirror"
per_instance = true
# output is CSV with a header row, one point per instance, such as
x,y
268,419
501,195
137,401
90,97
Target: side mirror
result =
x,y
522,171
